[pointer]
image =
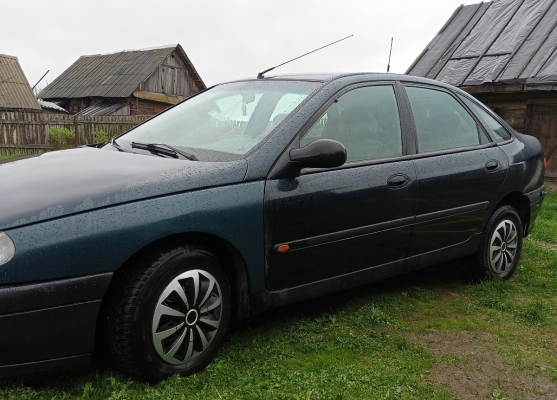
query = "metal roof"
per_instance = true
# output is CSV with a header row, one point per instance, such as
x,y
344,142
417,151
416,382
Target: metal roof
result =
x,y
51,106
106,107
503,41
112,75
15,92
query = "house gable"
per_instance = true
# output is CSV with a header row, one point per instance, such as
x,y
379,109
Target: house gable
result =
x,y
15,91
172,77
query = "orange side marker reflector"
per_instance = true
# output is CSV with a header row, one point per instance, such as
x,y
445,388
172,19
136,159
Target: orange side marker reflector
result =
x,y
545,162
283,248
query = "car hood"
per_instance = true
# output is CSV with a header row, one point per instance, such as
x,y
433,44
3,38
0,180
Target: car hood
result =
x,y
71,181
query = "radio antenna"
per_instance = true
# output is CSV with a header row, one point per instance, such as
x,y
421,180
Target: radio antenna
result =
x,y
260,75
390,52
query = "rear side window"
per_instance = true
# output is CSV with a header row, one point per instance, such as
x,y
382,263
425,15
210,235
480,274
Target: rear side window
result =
x,y
441,122
365,120
497,131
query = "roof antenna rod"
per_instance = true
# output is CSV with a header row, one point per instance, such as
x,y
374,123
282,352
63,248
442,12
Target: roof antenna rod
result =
x,y
260,75
390,52
40,80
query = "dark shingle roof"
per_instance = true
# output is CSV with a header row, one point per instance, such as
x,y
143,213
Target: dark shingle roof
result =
x,y
111,75
503,41
15,92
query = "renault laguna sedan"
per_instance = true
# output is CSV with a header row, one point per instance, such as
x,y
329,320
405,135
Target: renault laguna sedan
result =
x,y
247,196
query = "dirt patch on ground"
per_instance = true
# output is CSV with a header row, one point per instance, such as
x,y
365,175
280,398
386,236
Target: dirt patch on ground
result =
x,y
472,370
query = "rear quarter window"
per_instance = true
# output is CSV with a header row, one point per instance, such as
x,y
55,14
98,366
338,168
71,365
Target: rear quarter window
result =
x,y
497,132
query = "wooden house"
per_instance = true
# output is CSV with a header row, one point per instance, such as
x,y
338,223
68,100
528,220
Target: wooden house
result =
x,y
131,82
15,92
504,53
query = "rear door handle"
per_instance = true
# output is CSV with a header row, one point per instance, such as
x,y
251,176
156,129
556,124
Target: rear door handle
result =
x,y
398,181
492,166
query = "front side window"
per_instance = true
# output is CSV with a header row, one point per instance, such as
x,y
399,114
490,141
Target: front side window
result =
x,y
225,122
497,131
365,120
441,122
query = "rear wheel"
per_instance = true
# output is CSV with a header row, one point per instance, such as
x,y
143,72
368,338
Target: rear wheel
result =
x,y
170,314
501,245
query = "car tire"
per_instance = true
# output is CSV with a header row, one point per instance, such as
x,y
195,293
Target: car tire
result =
x,y
500,246
169,314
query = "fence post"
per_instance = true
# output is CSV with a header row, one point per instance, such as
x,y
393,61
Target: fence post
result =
x,y
76,130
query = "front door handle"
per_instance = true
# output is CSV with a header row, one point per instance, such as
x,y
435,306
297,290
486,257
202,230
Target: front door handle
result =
x,y
398,181
492,166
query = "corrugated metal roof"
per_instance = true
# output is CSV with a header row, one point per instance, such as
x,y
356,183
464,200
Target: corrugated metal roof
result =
x,y
103,108
51,106
15,92
509,42
111,75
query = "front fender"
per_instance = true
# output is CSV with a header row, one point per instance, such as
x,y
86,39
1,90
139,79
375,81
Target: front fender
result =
x,y
102,240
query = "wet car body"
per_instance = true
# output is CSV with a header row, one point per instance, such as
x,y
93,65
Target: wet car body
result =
x,y
78,217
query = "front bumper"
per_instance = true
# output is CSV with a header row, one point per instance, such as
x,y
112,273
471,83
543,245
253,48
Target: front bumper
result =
x,y
49,326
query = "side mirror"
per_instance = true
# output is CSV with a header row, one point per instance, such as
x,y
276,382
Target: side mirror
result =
x,y
323,153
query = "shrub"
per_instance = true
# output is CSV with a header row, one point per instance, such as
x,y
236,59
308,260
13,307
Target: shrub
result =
x,y
100,136
61,138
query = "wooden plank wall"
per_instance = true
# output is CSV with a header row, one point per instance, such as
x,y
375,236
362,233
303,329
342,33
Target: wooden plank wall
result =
x,y
532,113
513,107
170,77
27,132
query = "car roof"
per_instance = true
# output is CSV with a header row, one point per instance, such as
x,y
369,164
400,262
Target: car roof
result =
x,y
365,76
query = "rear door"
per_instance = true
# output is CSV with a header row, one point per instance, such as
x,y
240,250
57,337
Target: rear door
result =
x,y
459,169
356,216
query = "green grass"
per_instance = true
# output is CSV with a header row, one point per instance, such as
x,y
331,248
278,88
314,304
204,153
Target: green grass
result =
x,y
368,342
10,156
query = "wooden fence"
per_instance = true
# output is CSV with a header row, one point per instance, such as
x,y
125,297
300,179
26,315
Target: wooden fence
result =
x,y
27,133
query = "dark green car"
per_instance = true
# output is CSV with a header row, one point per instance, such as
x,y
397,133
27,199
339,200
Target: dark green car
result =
x,y
247,196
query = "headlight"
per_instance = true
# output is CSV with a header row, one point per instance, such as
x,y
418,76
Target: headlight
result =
x,y
7,248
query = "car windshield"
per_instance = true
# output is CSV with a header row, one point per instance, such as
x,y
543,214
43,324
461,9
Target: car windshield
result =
x,y
224,123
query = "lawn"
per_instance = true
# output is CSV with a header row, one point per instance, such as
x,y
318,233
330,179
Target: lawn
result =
x,y
431,334
15,155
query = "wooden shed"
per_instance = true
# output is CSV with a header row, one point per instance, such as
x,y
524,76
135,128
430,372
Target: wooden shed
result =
x,y
131,82
504,53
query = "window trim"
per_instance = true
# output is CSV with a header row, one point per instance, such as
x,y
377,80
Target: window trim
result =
x,y
408,157
484,138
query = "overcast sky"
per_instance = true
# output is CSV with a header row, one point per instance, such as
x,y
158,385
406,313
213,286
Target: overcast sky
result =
x,y
225,40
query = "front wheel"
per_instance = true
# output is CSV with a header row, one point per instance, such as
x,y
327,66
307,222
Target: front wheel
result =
x,y
501,245
170,314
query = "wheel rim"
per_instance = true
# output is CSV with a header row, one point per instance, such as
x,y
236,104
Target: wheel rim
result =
x,y
187,317
503,247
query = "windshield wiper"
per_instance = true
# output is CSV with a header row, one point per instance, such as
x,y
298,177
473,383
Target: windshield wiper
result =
x,y
120,148
165,149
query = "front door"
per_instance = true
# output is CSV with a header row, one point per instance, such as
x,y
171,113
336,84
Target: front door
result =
x,y
349,218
